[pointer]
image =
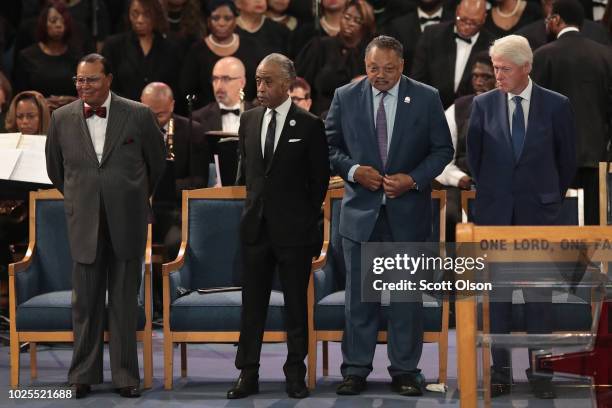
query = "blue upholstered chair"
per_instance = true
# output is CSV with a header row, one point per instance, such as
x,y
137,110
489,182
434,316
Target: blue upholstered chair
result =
x,y
209,257
327,283
40,287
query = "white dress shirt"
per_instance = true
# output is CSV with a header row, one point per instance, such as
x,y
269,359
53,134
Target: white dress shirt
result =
x,y
281,114
421,14
526,95
230,122
97,128
567,30
451,174
463,54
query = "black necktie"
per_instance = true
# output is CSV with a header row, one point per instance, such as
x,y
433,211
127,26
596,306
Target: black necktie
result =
x,y
226,111
425,20
270,134
467,40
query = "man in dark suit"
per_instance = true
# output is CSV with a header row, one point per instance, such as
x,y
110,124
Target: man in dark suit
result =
x,y
537,34
408,28
188,153
228,80
388,139
284,164
521,152
446,49
580,69
105,154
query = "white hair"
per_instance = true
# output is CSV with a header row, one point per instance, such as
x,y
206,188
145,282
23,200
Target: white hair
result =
x,y
514,48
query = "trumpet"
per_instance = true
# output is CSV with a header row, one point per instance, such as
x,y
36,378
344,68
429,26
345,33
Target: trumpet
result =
x,y
170,140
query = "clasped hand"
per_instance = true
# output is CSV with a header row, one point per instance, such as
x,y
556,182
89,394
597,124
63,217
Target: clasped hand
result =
x,y
394,184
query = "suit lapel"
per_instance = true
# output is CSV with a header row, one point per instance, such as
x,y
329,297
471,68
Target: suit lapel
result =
x,y
84,133
365,99
117,118
255,138
502,113
217,121
404,117
451,55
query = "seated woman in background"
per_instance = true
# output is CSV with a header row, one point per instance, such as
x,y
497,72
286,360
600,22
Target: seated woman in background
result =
x,y
253,23
507,16
142,54
48,65
330,62
6,93
221,42
277,11
28,114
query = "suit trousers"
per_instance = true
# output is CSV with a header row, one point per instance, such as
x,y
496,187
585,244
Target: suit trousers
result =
x,y
537,318
405,325
89,314
260,260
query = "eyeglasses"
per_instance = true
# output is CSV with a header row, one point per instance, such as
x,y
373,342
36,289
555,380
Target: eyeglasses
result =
x,y
224,79
297,99
226,18
550,17
80,81
30,116
468,21
355,19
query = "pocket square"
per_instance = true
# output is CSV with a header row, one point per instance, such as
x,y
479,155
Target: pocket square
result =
x,y
294,140
127,141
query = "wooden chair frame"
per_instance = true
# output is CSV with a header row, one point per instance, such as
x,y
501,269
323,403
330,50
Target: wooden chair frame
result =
x,y
603,193
466,305
18,337
314,336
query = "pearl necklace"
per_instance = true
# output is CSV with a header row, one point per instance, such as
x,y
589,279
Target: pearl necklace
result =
x,y
228,45
512,13
242,25
330,29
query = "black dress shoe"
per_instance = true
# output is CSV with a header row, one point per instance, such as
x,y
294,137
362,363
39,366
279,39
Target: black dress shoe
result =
x,y
407,385
499,389
245,386
81,390
351,385
501,382
130,392
297,389
542,388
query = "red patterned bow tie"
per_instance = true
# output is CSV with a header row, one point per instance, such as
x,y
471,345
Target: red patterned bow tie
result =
x,y
88,111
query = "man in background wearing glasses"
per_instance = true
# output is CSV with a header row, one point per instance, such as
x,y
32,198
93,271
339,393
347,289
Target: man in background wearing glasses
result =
x,y
105,154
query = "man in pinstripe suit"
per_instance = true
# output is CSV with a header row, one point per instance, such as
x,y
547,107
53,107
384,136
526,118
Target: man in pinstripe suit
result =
x,y
105,154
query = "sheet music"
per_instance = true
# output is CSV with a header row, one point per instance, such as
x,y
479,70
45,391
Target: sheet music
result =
x,y
33,142
8,159
9,140
31,167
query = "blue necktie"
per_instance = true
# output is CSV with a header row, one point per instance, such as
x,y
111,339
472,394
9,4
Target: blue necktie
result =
x,y
518,128
381,129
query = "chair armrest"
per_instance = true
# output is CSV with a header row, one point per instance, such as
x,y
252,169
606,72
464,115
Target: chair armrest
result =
x,y
23,277
322,271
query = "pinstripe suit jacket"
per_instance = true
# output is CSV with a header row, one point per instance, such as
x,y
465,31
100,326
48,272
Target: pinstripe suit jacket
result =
x,y
132,162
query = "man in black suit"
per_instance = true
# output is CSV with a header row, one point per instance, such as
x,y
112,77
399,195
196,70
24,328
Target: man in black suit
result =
x,y
105,154
284,164
228,80
446,49
188,153
537,35
408,28
580,69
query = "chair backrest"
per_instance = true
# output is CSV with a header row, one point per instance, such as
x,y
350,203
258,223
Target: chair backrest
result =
x,y
48,231
572,209
605,193
211,225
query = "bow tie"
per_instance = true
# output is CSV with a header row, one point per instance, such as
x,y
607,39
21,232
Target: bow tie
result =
x,y
466,40
425,20
234,111
88,111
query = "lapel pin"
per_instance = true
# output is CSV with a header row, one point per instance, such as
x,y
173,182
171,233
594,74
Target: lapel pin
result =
x,y
292,122
407,99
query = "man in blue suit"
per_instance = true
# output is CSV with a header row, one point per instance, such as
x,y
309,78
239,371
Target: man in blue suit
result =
x,y
521,151
388,139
